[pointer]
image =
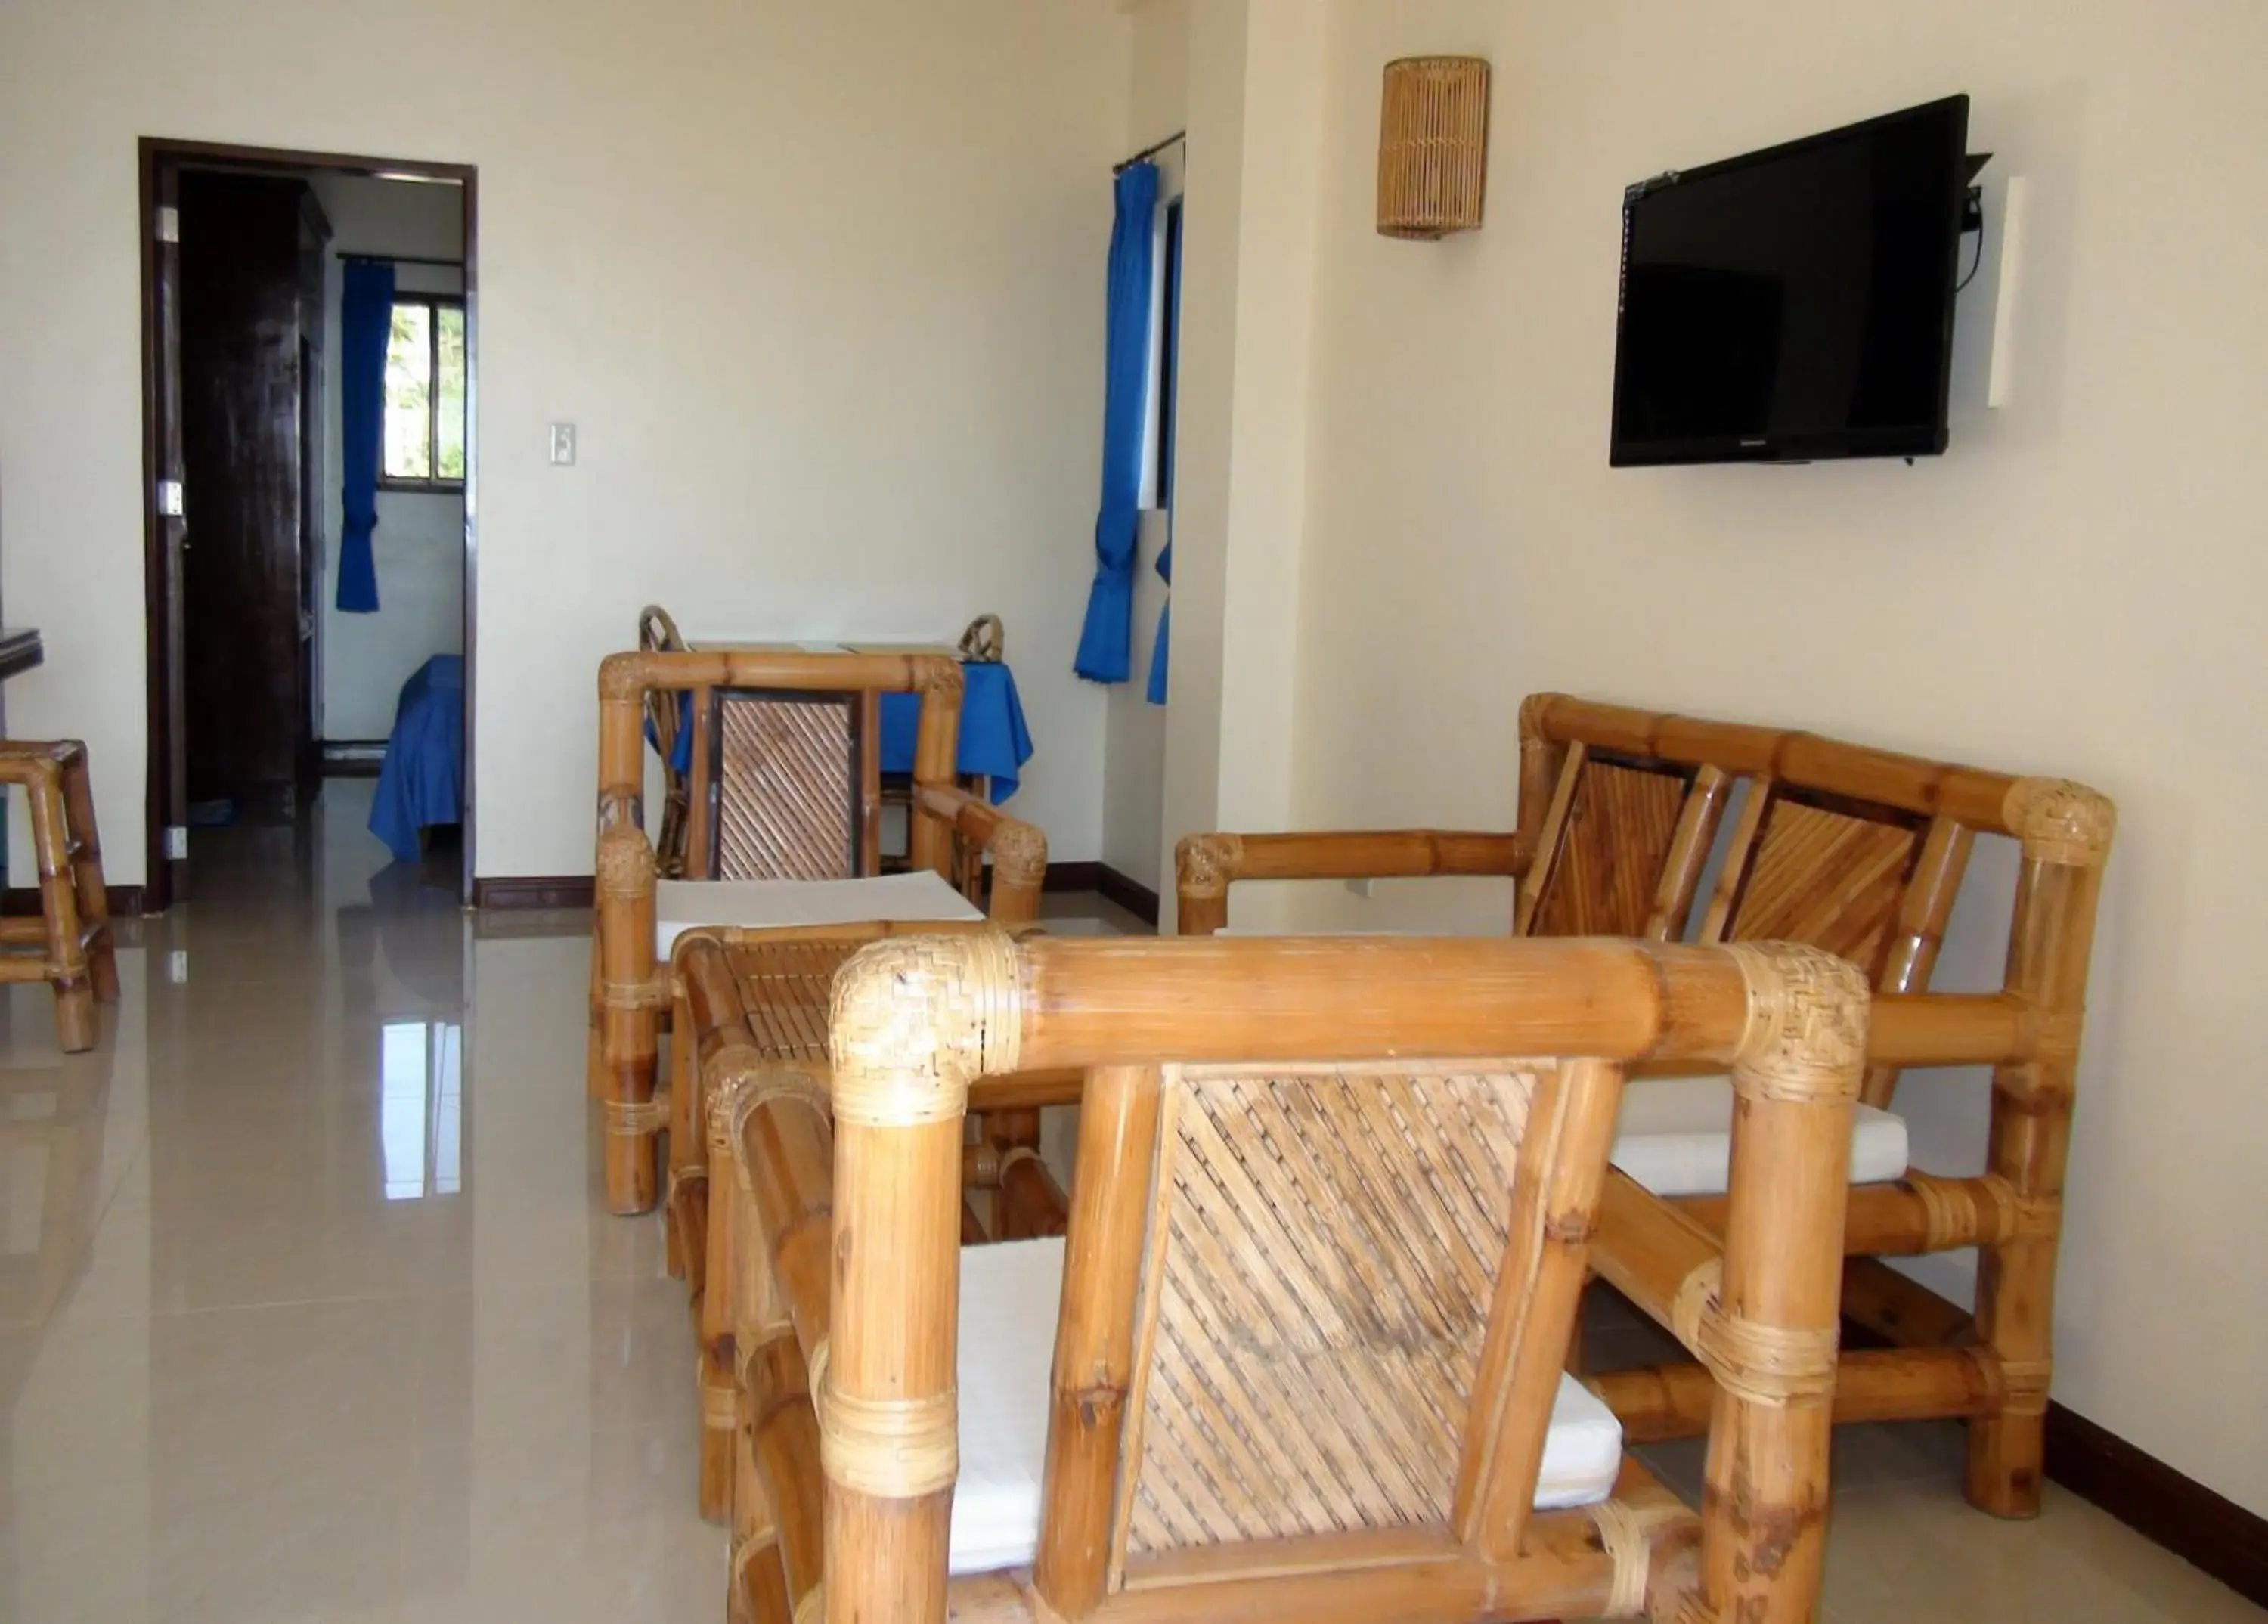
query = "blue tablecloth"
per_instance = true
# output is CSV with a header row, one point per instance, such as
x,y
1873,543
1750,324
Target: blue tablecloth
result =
x,y
994,741
421,782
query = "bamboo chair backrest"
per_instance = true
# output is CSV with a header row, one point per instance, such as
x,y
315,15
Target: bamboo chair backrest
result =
x,y
793,786
1316,1287
785,754
1856,850
658,633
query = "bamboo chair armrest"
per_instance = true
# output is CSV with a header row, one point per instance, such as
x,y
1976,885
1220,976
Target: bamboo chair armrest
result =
x,y
1018,850
1205,866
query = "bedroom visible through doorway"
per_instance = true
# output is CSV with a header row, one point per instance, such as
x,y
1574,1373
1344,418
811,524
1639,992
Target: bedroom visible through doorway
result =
x,y
311,330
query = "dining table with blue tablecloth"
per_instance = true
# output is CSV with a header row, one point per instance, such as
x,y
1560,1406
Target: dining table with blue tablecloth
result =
x,y
994,743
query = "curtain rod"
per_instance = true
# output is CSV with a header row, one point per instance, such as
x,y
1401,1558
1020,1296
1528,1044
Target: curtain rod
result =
x,y
1151,150
397,259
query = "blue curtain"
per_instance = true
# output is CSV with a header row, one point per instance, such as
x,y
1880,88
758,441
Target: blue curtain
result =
x,y
1103,642
365,323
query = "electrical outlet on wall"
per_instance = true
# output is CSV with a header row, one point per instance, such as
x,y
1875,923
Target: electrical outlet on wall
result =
x,y
563,445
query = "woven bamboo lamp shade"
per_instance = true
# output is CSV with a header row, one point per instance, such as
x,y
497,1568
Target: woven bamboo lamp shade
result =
x,y
1433,146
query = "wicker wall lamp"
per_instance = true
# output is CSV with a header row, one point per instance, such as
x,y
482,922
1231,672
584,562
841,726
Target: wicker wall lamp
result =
x,y
1433,146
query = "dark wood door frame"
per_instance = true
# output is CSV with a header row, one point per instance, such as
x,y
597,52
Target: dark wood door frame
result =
x,y
161,160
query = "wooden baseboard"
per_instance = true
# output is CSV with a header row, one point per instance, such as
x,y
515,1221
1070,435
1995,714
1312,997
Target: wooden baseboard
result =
x,y
2165,1507
1072,877
1130,894
23,901
514,892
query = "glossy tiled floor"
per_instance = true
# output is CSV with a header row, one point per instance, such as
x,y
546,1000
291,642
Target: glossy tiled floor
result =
x,y
307,1311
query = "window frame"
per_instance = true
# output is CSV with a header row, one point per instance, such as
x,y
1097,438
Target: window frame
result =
x,y
434,484
1169,345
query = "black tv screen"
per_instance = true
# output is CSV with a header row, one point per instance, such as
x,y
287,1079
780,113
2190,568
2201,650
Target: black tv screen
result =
x,y
1797,302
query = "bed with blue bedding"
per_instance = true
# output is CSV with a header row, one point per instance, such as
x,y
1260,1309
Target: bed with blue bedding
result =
x,y
422,782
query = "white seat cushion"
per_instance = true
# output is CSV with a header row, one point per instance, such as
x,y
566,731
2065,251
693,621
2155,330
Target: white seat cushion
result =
x,y
680,905
1676,1137
1009,1294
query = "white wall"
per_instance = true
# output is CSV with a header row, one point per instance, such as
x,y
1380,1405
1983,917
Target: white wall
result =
x,y
420,544
821,285
1255,86
2075,589
1134,761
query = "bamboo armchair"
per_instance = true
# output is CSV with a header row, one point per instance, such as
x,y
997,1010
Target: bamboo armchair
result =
x,y
1858,852
1308,1321
748,1000
785,811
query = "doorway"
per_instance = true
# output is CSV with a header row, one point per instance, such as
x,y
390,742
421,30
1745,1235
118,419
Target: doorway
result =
x,y
301,607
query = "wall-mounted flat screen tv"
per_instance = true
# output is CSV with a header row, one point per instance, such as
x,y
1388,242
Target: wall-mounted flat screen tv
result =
x,y
1796,303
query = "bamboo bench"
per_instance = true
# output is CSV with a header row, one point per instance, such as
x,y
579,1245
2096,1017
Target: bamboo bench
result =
x,y
1857,851
1300,1354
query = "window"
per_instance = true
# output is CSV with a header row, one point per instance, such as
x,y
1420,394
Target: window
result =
x,y
425,395
1164,340
1169,344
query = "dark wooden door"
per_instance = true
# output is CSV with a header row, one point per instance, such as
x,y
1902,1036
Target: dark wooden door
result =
x,y
240,405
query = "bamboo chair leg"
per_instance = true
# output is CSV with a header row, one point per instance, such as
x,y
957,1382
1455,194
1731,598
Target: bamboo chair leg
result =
x,y
1766,1324
719,1426
709,1209
2066,840
86,874
900,1092
67,971
683,1253
761,1332
630,1025
594,1068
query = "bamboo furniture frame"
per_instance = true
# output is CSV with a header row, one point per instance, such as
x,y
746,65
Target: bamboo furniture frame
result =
x,y
1859,851
630,996
69,945
747,1000
852,1193
658,633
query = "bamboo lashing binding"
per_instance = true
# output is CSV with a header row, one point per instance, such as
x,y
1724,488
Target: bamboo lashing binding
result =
x,y
969,1010
1627,1531
1769,1364
899,1448
636,1116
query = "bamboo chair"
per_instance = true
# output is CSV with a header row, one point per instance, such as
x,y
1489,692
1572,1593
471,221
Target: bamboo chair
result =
x,y
747,1000
69,945
1862,852
1308,1321
785,827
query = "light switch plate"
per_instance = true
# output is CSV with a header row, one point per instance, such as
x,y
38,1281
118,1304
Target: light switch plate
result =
x,y
563,445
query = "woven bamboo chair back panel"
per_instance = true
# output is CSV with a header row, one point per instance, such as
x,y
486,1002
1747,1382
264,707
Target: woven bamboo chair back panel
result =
x,y
1609,834
1825,876
785,788
1315,1290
